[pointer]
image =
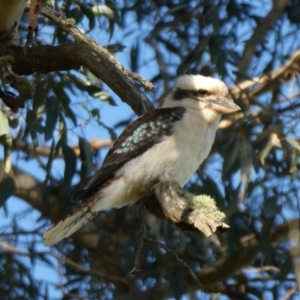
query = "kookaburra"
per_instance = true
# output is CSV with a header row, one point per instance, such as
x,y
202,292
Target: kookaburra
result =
x,y
167,143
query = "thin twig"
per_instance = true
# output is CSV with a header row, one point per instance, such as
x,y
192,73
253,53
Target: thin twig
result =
x,y
95,145
142,216
290,292
35,6
264,81
259,33
60,259
168,250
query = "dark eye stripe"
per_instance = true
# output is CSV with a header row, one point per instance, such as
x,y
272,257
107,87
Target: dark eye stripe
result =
x,y
202,93
180,94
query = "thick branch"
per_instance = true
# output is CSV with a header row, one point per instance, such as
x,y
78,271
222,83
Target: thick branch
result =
x,y
111,71
260,32
45,59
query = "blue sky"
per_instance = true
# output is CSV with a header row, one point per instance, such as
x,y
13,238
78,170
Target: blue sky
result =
x,y
110,116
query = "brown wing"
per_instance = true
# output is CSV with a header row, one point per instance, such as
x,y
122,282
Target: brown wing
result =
x,y
136,139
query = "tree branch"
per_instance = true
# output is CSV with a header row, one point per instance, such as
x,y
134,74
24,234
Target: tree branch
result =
x,y
46,151
270,80
250,89
67,261
170,203
260,32
31,190
45,59
250,248
182,262
112,72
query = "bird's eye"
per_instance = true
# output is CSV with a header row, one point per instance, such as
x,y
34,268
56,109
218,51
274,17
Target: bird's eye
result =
x,y
202,93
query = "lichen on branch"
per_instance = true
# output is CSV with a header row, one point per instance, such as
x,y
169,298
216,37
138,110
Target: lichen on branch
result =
x,y
188,211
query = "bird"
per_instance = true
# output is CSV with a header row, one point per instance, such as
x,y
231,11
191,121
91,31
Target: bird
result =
x,y
167,143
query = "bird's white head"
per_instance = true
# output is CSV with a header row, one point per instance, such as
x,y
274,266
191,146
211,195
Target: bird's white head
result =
x,y
205,95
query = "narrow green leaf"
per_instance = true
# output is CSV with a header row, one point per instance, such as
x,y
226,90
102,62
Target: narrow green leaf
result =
x,y
7,145
246,160
75,14
114,48
286,268
93,90
52,113
105,97
265,152
14,123
39,95
65,101
264,242
45,259
176,9
230,154
50,161
134,57
265,134
92,78
271,207
70,165
7,189
103,10
293,142
4,127
86,160
111,132
95,113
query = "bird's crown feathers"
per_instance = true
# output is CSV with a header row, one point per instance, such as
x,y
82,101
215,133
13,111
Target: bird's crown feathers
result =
x,y
199,82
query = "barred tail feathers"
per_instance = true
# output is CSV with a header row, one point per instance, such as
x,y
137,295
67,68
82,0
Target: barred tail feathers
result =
x,y
68,226
112,196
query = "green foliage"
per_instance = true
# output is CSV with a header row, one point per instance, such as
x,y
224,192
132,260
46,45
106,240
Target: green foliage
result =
x,y
7,189
252,172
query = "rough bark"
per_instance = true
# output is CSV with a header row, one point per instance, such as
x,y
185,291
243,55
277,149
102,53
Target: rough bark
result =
x,y
46,59
169,203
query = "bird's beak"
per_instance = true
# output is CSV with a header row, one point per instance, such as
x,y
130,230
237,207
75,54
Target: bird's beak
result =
x,y
222,106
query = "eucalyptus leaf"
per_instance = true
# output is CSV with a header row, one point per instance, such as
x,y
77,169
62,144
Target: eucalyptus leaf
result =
x,y
70,165
7,189
52,114
103,10
105,97
265,152
86,160
246,160
7,145
230,154
65,101
39,94
4,127
293,142
50,161
134,57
